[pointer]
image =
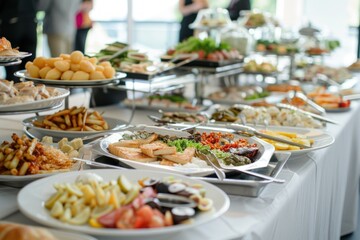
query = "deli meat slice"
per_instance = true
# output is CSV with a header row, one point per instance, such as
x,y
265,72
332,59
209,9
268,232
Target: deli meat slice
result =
x,y
137,142
134,154
181,158
157,148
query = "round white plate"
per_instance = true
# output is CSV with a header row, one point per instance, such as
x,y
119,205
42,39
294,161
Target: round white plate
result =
x,y
37,105
40,132
21,55
322,139
24,74
32,197
69,236
20,181
262,159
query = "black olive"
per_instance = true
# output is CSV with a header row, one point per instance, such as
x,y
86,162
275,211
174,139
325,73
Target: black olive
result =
x,y
182,213
162,187
153,203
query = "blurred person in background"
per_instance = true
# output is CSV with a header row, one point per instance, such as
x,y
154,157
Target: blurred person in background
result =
x,y
235,6
83,24
189,10
18,25
59,24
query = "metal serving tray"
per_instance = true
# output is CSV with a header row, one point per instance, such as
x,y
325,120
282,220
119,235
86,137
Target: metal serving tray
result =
x,y
234,184
245,185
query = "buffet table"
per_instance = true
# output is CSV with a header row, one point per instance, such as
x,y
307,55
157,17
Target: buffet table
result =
x,y
318,201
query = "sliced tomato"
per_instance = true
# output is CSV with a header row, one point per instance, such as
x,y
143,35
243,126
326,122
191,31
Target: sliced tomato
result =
x,y
170,51
219,55
344,104
126,220
201,54
156,222
212,57
143,216
109,220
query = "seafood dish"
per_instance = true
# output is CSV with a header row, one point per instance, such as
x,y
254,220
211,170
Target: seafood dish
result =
x,y
24,92
266,115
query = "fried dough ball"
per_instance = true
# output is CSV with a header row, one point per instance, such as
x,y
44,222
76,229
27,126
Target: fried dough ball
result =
x,y
86,66
62,65
105,64
65,56
74,67
96,75
44,71
67,75
109,72
34,71
99,68
27,65
80,75
40,62
53,74
93,60
50,61
76,56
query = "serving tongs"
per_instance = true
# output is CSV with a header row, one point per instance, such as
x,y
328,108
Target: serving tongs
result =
x,y
185,59
326,79
250,132
303,97
116,54
313,115
351,97
210,158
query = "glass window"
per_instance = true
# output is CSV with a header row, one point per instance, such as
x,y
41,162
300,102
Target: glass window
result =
x,y
110,24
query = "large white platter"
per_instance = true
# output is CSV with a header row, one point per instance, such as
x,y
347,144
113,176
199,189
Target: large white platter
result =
x,y
321,138
37,105
40,132
24,74
261,160
21,55
32,197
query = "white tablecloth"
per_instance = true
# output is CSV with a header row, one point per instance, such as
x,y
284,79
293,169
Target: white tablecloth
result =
x,y
318,201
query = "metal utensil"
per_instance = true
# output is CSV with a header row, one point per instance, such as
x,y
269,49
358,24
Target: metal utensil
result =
x,y
249,131
316,116
218,171
96,164
105,133
351,97
308,101
259,175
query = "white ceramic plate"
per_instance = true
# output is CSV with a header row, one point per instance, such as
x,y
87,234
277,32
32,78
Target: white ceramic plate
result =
x,y
37,105
322,139
40,132
21,55
69,236
32,197
20,181
261,160
24,74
